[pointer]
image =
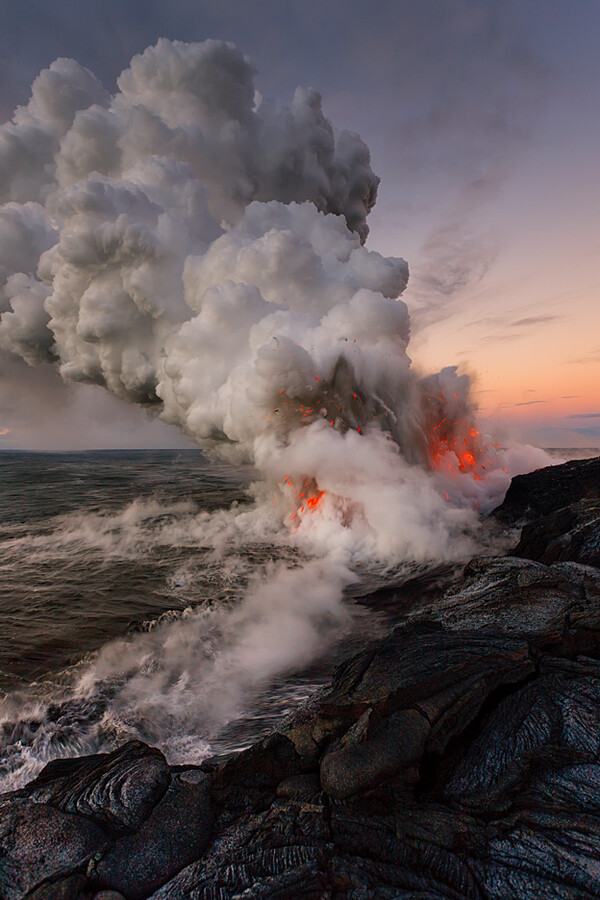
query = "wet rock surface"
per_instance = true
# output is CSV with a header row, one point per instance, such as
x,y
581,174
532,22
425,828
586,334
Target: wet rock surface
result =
x,y
517,595
459,757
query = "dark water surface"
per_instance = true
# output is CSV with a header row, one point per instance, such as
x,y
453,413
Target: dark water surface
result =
x,y
68,579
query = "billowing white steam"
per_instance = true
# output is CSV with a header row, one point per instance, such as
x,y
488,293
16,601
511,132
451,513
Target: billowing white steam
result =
x,y
197,250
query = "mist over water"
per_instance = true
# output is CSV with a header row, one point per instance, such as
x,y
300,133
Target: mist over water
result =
x,y
149,595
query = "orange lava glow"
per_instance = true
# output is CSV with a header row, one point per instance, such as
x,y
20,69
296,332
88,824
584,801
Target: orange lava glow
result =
x,y
304,495
313,502
455,447
466,459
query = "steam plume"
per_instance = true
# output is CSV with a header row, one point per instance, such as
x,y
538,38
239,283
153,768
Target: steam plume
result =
x,y
197,250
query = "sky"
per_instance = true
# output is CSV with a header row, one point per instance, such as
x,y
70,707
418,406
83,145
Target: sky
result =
x,y
481,118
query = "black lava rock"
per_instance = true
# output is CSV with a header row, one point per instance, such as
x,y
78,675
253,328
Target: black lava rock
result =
x,y
550,489
571,533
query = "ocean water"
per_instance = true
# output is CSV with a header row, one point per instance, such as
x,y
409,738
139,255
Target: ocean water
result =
x,y
71,576
139,599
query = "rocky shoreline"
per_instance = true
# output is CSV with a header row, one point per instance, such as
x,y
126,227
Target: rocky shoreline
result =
x,y
459,757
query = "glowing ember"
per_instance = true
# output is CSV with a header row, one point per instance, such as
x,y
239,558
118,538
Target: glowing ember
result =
x,y
455,447
304,494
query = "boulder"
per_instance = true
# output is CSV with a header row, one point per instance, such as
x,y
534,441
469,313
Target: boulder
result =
x,y
550,489
174,835
40,844
571,533
117,790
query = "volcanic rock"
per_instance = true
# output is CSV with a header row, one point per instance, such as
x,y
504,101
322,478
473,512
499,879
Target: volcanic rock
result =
x,y
440,763
176,832
116,790
520,596
39,843
108,895
572,533
560,509
70,888
491,793
550,489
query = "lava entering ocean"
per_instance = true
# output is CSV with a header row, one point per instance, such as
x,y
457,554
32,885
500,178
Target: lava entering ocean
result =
x,y
203,254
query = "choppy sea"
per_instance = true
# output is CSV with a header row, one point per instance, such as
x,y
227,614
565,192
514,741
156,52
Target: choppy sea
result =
x,y
125,613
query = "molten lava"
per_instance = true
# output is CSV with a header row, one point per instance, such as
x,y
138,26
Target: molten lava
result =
x,y
313,502
458,449
453,444
303,496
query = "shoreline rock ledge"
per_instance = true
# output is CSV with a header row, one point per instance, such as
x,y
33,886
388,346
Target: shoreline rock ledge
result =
x,y
458,757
